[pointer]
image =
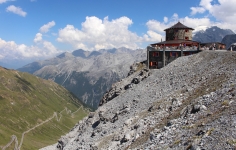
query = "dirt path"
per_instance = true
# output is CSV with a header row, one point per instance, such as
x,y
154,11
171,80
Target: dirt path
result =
x,y
14,137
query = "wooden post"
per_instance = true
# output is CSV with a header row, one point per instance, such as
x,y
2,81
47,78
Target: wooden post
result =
x,y
181,47
164,56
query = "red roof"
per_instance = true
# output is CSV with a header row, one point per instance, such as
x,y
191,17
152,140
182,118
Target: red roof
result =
x,y
179,26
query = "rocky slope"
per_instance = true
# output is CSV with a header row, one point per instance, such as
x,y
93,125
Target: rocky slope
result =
x,y
212,34
228,40
189,104
34,112
88,75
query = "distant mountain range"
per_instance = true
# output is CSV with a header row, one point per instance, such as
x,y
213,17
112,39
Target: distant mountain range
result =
x,y
87,74
34,111
212,34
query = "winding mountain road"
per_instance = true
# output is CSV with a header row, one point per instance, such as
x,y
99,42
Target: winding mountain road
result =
x,y
55,115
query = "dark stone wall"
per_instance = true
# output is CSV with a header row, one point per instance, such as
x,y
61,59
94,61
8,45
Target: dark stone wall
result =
x,y
156,57
172,34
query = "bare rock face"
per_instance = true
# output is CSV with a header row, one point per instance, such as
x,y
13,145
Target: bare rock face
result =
x,y
138,72
189,104
62,143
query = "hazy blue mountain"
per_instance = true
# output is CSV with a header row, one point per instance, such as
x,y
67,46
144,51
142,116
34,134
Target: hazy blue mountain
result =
x,y
14,64
94,53
3,64
229,39
79,53
212,34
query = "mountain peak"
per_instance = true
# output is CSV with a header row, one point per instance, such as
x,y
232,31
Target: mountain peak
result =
x,y
211,34
65,54
79,53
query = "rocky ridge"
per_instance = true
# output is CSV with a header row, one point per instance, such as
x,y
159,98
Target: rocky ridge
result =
x,y
189,104
123,85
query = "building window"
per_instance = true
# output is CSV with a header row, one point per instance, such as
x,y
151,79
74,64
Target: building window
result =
x,y
173,54
186,30
186,38
153,63
187,53
155,54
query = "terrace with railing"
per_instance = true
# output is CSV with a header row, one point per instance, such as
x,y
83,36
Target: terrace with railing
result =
x,y
173,48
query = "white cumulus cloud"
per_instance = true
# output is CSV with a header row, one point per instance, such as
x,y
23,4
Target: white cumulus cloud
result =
x,y
222,10
96,34
196,10
165,19
51,49
16,10
9,49
38,37
157,26
45,28
196,22
4,1
152,36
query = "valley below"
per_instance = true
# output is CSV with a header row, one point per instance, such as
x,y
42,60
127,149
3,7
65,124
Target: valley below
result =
x,y
34,112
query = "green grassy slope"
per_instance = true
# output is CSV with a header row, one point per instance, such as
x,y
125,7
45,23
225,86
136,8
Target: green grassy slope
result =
x,y
41,109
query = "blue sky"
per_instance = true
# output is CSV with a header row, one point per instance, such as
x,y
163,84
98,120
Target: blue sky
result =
x,y
39,29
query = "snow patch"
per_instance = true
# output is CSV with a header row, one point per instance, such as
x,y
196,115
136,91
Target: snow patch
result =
x,y
201,29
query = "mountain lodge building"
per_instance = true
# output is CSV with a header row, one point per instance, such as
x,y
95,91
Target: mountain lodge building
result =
x,y
178,43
